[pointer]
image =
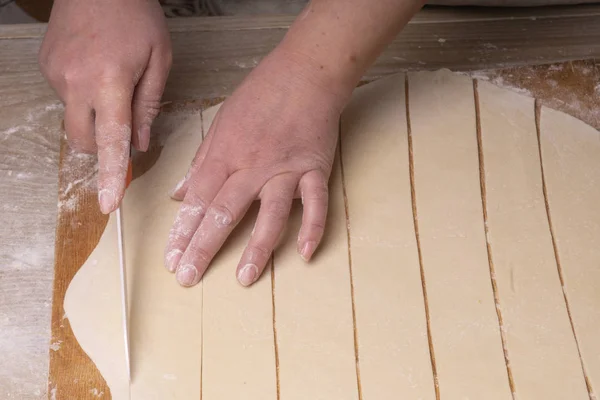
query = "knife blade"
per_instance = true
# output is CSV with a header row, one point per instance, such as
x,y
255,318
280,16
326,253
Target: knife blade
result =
x,y
123,271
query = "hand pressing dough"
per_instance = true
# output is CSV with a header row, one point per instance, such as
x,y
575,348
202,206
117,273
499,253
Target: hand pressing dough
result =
x,y
356,322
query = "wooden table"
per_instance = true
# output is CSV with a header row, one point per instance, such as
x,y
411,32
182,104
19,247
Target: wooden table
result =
x,y
211,56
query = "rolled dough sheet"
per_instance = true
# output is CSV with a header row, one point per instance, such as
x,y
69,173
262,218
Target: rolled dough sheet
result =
x,y
356,322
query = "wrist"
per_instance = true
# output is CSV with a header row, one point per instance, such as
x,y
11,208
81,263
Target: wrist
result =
x,y
324,40
337,40
300,70
332,79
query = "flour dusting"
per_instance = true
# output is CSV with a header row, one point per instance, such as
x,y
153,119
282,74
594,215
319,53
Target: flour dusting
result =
x,y
53,393
35,113
498,81
33,119
30,133
15,129
570,87
247,65
80,173
56,345
28,257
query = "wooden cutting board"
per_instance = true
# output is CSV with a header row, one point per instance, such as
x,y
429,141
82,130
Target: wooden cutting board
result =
x,y
569,87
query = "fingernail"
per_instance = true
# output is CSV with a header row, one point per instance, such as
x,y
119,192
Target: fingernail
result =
x,y
144,137
107,200
172,259
177,188
248,274
186,275
307,250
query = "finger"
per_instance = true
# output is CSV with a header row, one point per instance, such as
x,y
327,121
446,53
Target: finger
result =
x,y
223,214
146,98
113,135
192,212
275,206
79,124
315,200
180,190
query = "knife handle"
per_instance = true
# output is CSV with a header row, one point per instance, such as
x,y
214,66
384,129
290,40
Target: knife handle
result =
x,y
129,176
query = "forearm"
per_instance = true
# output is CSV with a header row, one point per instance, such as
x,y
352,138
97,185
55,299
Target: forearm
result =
x,y
339,39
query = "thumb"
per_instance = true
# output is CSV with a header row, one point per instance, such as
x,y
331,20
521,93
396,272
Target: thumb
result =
x,y
146,98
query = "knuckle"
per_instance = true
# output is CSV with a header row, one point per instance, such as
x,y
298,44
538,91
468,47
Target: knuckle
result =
x,y
194,204
190,211
113,83
113,140
259,251
148,110
222,215
321,191
80,145
179,237
171,251
111,72
319,195
72,72
48,66
199,254
277,208
71,76
316,226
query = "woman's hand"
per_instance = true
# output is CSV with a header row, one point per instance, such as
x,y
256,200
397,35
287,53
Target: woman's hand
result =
x,y
273,139
108,60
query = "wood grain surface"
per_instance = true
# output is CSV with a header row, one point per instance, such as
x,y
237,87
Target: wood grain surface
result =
x,y
211,56
77,230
